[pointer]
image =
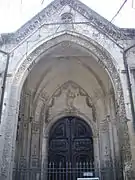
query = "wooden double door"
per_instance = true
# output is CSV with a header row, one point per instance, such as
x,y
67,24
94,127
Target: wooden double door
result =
x,y
70,141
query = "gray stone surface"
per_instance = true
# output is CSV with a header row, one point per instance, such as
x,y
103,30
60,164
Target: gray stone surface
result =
x,y
58,70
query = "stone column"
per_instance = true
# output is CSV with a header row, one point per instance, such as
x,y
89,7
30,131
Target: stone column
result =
x,y
104,140
96,153
112,147
105,155
35,145
44,157
23,150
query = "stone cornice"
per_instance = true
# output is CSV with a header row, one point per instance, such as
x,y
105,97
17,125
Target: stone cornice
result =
x,y
94,19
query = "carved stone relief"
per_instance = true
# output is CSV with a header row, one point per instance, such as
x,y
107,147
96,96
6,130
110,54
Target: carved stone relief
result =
x,y
104,126
44,96
35,128
107,150
67,17
35,141
71,92
70,96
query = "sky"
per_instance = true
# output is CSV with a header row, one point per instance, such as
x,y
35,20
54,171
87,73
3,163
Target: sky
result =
x,y
15,13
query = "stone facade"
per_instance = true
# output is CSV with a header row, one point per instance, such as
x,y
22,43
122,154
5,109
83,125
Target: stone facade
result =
x,y
66,61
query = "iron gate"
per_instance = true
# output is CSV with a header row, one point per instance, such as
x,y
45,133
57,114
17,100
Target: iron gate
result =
x,y
54,171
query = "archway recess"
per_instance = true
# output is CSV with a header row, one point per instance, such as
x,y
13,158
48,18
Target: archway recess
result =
x,y
70,75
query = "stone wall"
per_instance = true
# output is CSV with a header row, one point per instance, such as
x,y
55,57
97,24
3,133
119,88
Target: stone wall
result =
x,y
100,41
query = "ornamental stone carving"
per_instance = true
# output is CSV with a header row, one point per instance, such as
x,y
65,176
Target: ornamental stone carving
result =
x,y
70,96
70,92
44,96
35,128
129,173
104,126
67,17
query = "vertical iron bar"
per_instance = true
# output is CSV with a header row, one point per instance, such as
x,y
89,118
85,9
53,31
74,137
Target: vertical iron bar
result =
x,y
63,176
83,168
53,171
60,171
80,168
70,170
77,169
49,171
87,167
66,170
56,167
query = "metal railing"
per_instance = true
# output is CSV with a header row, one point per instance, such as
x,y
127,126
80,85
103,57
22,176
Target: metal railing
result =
x,y
68,171
65,171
